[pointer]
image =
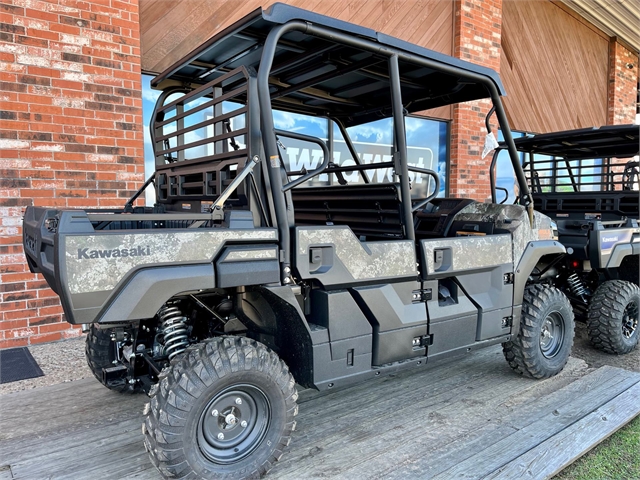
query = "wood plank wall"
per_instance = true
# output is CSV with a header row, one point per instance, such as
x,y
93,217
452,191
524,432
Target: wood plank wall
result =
x,y
554,67
171,29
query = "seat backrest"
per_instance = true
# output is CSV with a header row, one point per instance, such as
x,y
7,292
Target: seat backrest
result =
x,y
370,210
434,221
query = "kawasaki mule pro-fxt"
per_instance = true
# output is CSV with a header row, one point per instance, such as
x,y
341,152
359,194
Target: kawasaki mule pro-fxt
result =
x,y
246,278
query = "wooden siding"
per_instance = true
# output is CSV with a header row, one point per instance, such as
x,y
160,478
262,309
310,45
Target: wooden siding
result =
x,y
554,68
170,30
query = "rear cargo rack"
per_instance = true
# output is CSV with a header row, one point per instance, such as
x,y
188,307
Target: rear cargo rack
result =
x,y
197,159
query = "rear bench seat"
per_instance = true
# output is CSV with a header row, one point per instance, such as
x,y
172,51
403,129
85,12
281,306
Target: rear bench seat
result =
x,y
370,210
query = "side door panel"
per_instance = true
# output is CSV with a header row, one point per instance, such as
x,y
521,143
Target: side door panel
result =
x,y
381,277
335,256
472,293
399,321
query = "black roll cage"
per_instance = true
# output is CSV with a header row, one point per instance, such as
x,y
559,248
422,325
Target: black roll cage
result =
x,y
266,30
400,156
563,148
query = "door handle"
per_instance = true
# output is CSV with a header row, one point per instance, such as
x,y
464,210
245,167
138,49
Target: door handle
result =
x,y
320,259
442,259
438,258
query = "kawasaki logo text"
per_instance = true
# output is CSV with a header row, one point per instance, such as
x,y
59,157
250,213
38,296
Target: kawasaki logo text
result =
x,y
115,253
610,239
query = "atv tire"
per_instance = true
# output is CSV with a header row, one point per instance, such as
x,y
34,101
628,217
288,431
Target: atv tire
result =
x,y
223,409
542,347
100,353
612,322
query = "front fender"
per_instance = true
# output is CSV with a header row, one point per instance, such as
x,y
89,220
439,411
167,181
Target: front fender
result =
x,y
530,257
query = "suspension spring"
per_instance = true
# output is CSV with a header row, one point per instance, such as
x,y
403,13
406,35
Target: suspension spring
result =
x,y
174,330
576,286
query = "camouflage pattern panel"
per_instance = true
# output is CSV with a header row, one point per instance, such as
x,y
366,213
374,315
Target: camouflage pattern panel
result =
x,y
335,256
448,256
514,219
613,244
95,263
251,254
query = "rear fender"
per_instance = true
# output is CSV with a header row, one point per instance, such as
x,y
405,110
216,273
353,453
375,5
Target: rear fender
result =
x,y
620,252
293,338
148,289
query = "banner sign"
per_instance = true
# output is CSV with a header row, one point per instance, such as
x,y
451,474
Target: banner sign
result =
x,y
298,155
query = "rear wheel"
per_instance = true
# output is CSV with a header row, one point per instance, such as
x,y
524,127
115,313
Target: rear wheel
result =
x,y
224,409
613,317
100,352
542,346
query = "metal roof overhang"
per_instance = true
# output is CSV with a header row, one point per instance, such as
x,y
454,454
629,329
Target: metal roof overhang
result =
x,y
620,141
616,18
326,77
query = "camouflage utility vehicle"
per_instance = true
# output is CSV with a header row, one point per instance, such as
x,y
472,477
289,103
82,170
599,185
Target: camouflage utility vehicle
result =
x,y
587,181
246,277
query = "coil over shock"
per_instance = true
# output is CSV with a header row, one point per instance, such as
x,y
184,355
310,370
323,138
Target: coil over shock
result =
x,y
576,286
174,330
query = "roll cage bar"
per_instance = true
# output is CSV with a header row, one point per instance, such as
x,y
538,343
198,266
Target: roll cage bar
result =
x,y
400,155
450,81
574,146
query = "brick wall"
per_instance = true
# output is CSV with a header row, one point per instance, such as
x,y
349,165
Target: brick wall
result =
x,y
477,29
623,81
70,134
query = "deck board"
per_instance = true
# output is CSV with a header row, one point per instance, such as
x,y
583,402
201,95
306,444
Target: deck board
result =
x,y
470,418
552,455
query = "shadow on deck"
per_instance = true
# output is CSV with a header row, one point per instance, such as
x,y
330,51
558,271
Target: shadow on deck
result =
x,y
471,418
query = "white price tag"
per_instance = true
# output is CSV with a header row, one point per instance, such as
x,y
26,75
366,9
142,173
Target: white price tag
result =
x,y
490,143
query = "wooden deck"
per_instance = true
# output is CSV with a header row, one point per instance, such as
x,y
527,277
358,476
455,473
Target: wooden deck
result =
x,y
472,418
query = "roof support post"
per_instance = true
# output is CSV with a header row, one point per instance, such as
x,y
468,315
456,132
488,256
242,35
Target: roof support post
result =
x,y
272,162
400,154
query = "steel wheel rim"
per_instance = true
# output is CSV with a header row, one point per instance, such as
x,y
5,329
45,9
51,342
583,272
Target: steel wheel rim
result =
x,y
552,335
241,414
630,319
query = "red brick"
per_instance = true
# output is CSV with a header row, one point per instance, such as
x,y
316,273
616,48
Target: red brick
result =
x,y
69,117
18,314
7,286
13,342
45,292
64,28
13,324
32,32
36,322
53,327
15,296
26,192
43,302
622,80
37,285
12,278
49,202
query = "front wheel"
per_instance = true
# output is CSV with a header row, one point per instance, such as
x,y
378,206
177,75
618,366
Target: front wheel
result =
x,y
542,347
224,409
612,322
